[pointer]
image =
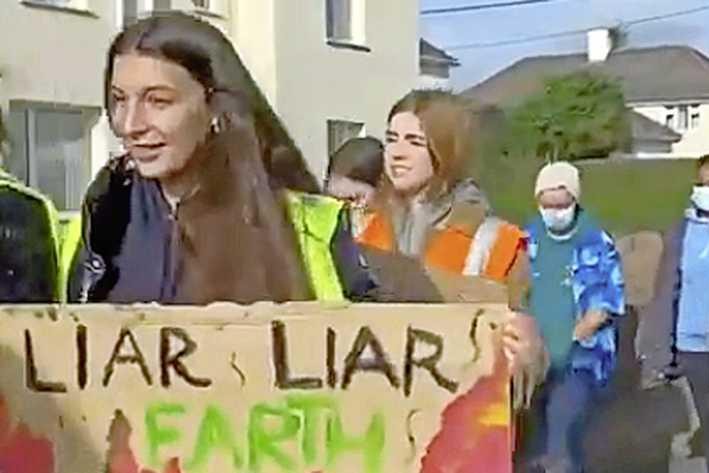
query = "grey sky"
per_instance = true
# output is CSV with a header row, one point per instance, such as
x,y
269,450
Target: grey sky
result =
x,y
510,23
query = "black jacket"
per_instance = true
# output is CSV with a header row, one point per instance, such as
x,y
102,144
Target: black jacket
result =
x,y
28,256
107,212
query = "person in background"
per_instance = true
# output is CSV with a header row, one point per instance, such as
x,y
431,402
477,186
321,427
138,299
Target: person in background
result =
x,y
29,240
353,173
427,209
673,333
576,292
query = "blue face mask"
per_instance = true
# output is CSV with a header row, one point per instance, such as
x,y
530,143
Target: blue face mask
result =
x,y
558,220
700,197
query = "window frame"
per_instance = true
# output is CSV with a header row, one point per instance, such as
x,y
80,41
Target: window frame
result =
x,y
695,116
331,122
670,120
683,117
78,7
122,17
26,155
214,9
208,7
356,28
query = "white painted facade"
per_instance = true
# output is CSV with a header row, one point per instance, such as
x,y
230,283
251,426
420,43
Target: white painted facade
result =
x,y
426,81
57,54
689,119
316,81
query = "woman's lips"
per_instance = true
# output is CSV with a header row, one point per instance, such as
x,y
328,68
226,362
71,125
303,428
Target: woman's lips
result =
x,y
145,153
399,171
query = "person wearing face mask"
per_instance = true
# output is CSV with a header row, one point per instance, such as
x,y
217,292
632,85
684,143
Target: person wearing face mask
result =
x,y
673,332
576,292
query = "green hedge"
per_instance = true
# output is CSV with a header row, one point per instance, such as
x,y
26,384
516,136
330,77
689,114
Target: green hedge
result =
x,y
626,196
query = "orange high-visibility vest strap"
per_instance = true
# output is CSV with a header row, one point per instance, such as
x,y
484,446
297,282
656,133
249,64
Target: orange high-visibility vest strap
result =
x,y
502,256
448,250
378,234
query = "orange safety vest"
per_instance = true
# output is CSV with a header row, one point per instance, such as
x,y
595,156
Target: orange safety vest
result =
x,y
448,249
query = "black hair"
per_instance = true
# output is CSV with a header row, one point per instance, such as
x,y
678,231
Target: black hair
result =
x,y
360,159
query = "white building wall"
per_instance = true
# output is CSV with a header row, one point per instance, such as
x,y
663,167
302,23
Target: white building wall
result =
x,y
426,81
695,140
317,82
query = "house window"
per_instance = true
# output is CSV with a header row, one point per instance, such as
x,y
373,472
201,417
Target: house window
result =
x,y
339,20
345,22
670,120
161,5
78,5
51,150
59,3
694,120
133,10
683,117
130,12
694,117
202,4
339,131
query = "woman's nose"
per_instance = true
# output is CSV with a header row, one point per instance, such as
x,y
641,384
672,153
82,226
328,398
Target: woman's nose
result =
x,y
132,120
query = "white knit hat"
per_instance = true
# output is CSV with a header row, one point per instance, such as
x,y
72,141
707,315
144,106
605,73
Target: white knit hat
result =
x,y
559,175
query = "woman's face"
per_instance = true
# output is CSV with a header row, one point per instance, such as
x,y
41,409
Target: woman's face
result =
x,y
159,112
407,160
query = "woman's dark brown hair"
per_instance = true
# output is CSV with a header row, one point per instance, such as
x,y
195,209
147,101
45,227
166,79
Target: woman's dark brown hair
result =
x,y
257,257
360,159
702,161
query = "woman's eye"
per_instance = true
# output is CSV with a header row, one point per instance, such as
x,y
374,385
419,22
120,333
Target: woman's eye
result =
x,y
159,102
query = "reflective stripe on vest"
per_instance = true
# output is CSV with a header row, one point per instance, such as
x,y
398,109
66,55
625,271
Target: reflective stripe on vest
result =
x,y
504,251
446,250
315,218
10,182
481,246
490,253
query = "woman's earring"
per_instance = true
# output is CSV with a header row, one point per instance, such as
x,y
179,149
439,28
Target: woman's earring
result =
x,y
215,127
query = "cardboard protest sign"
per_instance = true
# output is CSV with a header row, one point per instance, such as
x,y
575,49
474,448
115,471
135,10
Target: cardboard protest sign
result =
x,y
640,255
266,388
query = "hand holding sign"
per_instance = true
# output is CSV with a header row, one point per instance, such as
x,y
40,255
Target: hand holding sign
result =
x,y
524,349
521,342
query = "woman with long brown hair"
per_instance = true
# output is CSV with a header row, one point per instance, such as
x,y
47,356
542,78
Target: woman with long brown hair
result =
x,y
427,207
196,211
